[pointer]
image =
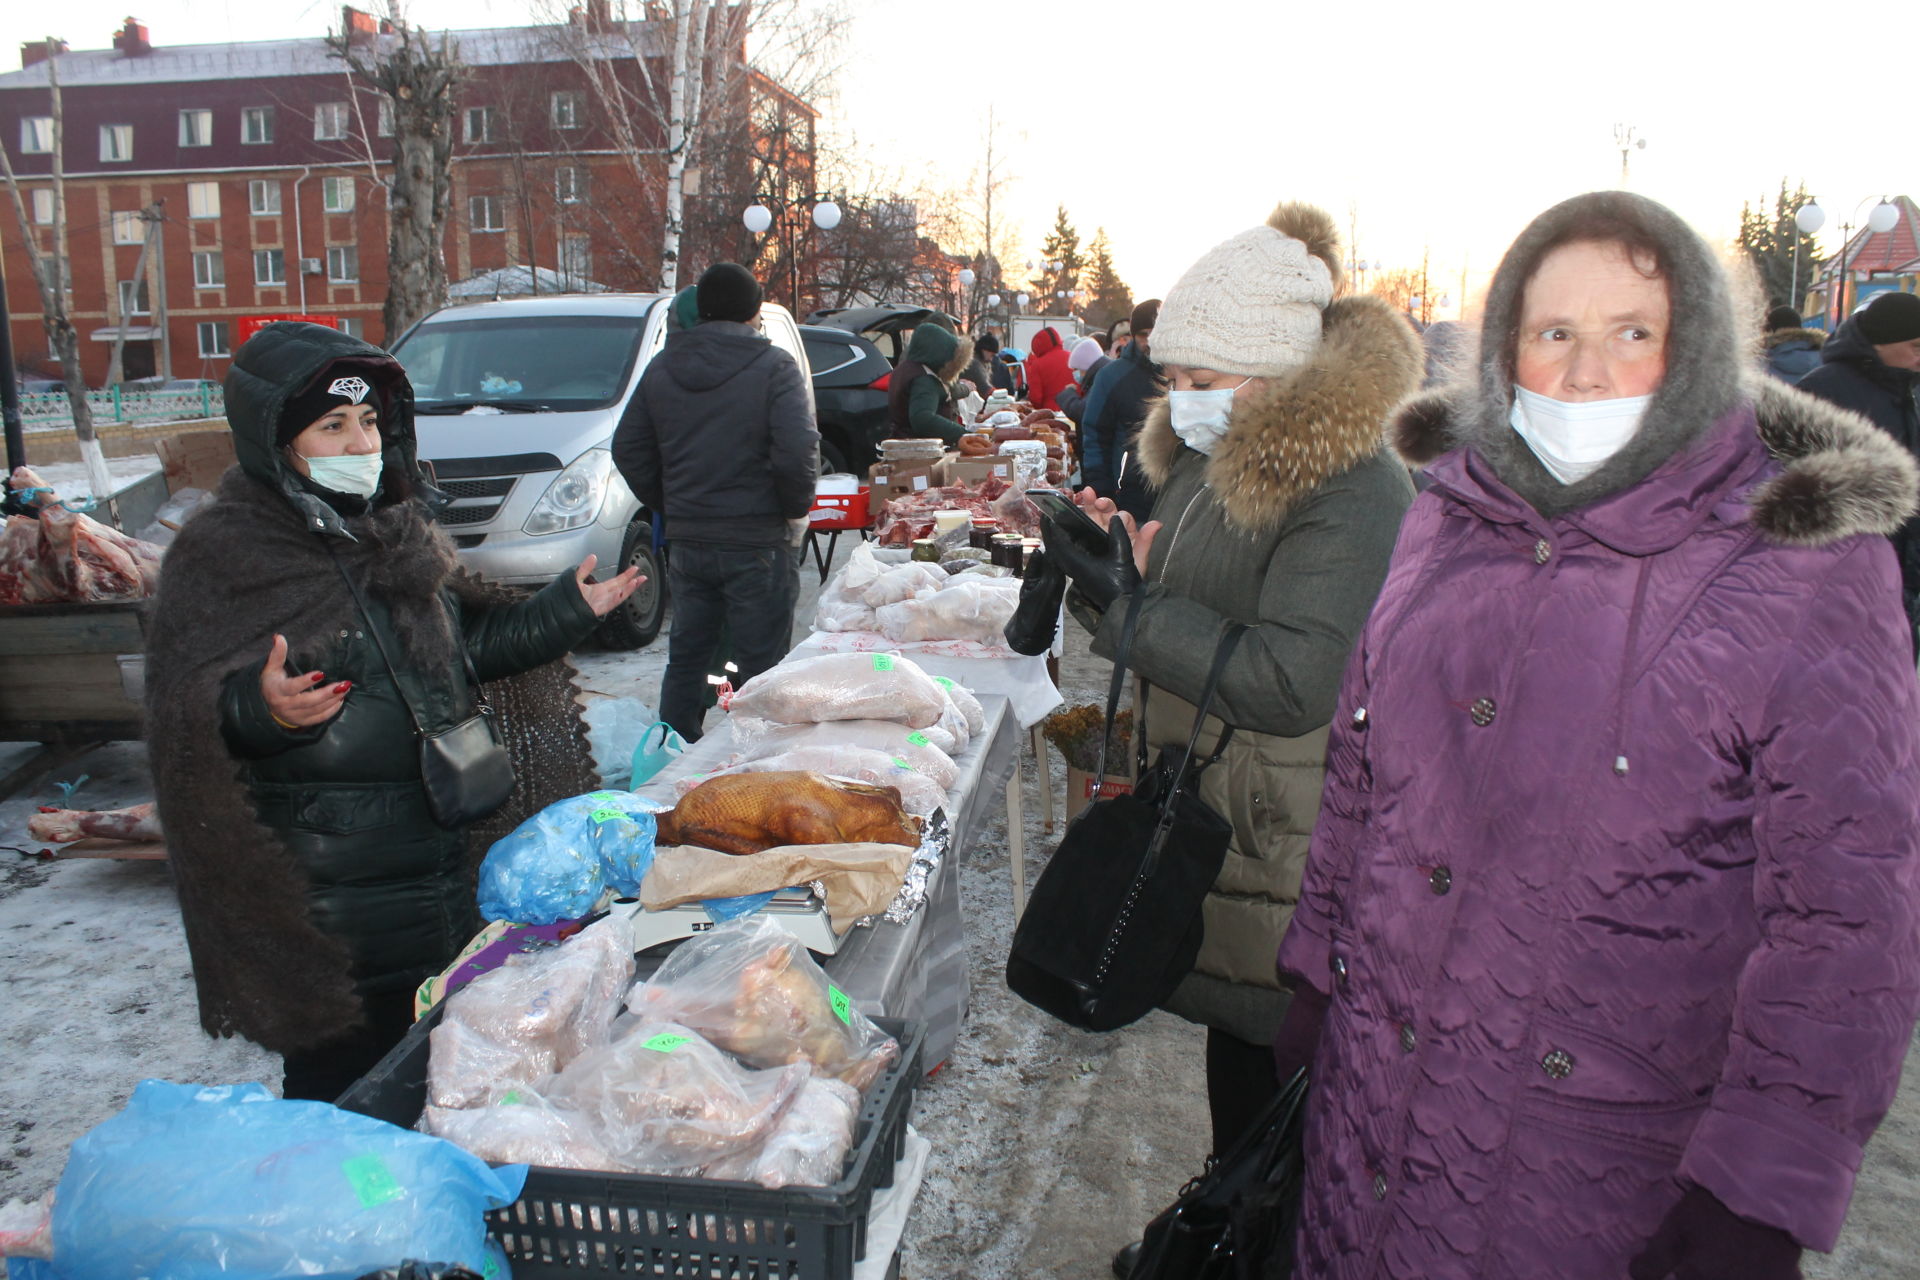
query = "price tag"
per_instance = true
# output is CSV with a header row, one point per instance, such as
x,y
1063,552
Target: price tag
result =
x,y
898,763
883,662
918,739
372,1182
605,815
842,1007
665,1042
919,483
512,1098
945,683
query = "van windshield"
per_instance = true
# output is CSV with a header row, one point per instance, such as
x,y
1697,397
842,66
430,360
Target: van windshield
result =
x,y
558,363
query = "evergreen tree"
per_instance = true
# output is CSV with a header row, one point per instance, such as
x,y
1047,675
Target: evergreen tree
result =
x,y
1769,241
1111,300
1062,245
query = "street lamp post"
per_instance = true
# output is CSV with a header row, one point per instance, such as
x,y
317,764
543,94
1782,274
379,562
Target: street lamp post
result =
x,y
1628,139
769,209
1884,217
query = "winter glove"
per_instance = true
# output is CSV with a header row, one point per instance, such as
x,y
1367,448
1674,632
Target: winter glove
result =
x,y
1102,578
1702,1239
1031,628
1297,1039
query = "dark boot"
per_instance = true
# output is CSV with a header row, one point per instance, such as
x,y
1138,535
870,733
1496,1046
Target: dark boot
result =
x,y
1126,1260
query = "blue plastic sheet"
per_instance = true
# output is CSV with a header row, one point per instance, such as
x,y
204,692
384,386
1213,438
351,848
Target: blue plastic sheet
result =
x,y
198,1182
555,865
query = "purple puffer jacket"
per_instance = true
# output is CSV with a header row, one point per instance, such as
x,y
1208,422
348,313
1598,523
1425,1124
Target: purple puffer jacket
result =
x,y
1614,883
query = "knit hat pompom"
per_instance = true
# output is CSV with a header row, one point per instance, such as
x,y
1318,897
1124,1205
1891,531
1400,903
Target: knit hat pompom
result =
x,y
728,291
1891,317
1252,305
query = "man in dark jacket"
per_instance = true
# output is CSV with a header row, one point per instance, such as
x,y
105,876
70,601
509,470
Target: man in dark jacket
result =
x,y
1792,350
1871,365
1116,406
719,438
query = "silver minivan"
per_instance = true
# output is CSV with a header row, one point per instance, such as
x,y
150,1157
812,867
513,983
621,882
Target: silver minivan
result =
x,y
515,405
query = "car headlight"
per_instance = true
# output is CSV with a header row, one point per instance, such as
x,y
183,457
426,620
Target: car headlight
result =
x,y
574,497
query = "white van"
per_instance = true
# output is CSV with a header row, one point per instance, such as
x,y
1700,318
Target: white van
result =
x,y
515,405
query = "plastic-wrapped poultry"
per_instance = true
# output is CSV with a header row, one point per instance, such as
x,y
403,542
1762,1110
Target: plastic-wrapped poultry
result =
x,y
808,1148
522,1128
910,746
843,686
969,607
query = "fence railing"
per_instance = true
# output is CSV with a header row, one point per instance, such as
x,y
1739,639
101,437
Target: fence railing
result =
x,y
116,404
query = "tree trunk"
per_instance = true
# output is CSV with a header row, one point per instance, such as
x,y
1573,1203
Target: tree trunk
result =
x,y
676,146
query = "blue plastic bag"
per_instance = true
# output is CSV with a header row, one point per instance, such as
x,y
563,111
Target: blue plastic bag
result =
x,y
659,747
221,1182
555,865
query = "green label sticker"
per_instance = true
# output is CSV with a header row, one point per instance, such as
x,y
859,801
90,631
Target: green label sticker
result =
x,y
842,1007
883,662
603,797
371,1180
898,763
491,1269
945,683
665,1042
512,1098
918,739
606,815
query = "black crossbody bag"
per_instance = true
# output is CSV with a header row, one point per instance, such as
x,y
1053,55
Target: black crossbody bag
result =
x,y
1114,923
465,769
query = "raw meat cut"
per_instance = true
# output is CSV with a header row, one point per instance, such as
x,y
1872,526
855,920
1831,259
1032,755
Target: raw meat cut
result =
x,y
63,557
746,813
58,826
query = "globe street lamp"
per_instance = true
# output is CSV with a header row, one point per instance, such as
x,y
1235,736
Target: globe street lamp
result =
x,y
1884,217
1807,219
760,217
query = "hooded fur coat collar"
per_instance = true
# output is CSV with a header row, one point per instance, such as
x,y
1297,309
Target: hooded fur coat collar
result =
x,y
1307,426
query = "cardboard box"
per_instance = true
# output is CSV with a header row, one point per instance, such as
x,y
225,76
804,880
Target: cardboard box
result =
x,y
195,459
954,469
1080,788
886,481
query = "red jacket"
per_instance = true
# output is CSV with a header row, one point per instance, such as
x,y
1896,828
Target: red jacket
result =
x,y
1047,371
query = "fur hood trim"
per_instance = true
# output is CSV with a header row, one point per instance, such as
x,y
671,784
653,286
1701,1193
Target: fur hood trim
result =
x,y
955,364
1780,337
1840,475
1310,424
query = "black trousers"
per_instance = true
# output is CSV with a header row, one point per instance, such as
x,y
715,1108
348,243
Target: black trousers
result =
x,y
746,591
1240,1084
326,1071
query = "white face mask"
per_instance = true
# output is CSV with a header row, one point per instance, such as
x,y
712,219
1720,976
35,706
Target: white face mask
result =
x,y
1200,417
354,473
1573,440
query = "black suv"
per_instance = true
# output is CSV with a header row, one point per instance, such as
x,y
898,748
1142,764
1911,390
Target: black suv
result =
x,y
853,351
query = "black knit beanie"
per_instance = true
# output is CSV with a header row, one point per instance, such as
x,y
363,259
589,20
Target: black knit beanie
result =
x,y
1891,317
1783,317
728,291
1143,316
353,380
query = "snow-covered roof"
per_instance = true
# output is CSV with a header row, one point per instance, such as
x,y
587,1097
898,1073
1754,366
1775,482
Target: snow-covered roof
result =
x,y
262,59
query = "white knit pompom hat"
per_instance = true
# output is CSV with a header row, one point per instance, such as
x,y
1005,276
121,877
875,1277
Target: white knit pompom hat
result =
x,y
1251,305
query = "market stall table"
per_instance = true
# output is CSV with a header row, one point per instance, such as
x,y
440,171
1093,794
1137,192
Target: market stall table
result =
x,y
917,969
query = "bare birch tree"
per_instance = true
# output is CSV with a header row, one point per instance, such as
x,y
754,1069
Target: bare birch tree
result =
x,y
54,276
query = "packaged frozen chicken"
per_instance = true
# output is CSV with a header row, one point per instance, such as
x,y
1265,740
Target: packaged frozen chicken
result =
x,y
844,686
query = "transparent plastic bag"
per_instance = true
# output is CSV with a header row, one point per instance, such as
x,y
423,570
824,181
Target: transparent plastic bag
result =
x,y
970,607
555,865
203,1180
968,705
910,747
920,794
522,1128
903,582
843,686
842,615
808,1148
750,987
530,1017
663,1100
26,1228
614,729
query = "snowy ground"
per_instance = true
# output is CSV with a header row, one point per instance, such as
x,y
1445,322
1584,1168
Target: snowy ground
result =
x,y
1051,1146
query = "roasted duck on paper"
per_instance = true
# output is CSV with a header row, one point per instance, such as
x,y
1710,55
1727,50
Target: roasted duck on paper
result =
x,y
751,812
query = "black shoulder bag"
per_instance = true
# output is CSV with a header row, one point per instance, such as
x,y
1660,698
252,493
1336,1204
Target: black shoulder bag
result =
x,y
1114,923
1236,1220
465,769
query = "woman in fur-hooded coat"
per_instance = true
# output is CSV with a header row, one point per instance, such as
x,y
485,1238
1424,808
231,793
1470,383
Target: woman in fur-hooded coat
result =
x,y
316,889
1613,893
1284,524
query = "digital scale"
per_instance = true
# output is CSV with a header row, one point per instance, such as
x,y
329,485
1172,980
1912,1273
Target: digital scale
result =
x,y
798,910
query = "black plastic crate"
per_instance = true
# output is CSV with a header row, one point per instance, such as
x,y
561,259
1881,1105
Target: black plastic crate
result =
x,y
568,1222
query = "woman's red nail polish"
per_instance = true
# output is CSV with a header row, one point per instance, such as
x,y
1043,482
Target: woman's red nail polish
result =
x,y
318,676
343,686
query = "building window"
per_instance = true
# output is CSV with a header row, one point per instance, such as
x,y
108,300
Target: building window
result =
x,y
263,196
36,135
43,206
484,214
343,264
269,266
479,124
353,328
566,110
256,125
383,118
209,271
330,121
203,199
213,337
133,298
576,258
64,271
127,228
116,142
336,195
569,184
196,128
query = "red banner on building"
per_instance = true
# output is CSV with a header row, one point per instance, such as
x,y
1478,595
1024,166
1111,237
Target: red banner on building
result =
x,y
247,326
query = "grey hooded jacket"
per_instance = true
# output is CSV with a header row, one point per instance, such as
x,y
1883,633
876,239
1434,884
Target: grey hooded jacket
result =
x,y
719,438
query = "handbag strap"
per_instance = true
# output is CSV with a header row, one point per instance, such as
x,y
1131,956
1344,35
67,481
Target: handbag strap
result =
x,y
1119,681
1229,640
386,659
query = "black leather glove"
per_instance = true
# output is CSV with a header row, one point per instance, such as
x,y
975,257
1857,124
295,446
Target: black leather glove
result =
x,y
1031,628
1702,1239
1103,577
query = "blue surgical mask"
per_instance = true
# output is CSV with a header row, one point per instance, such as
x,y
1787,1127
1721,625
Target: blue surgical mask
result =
x,y
353,473
1200,417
